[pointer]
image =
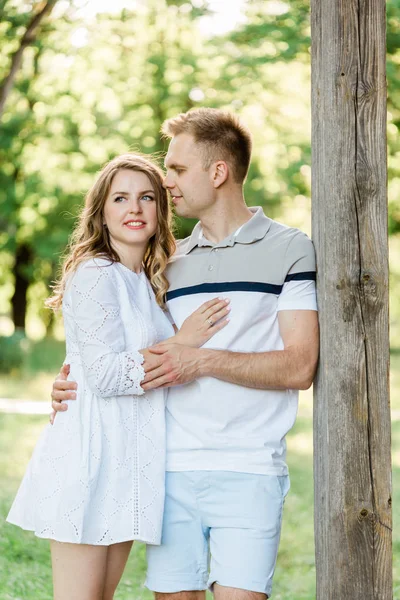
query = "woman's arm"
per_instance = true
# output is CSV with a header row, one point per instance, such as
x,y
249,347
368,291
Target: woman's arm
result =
x,y
202,324
109,368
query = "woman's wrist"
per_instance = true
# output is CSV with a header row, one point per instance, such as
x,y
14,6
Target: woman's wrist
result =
x,y
180,338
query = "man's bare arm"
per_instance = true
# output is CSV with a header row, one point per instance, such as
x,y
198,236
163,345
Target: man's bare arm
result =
x,y
291,368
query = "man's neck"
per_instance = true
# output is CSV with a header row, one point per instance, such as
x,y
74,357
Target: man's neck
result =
x,y
224,219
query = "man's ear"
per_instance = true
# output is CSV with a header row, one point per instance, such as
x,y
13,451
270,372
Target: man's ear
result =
x,y
220,173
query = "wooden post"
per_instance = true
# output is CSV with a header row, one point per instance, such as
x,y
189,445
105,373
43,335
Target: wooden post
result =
x,y
352,463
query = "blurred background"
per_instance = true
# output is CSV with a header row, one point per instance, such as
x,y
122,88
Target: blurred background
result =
x,y
84,80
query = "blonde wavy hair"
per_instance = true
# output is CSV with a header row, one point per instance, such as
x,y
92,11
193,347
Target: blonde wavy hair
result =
x,y
90,238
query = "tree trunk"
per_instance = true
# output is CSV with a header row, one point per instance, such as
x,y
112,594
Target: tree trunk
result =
x,y
353,521
50,324
23,258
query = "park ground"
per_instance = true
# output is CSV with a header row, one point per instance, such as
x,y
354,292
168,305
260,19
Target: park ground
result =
x,y
25,572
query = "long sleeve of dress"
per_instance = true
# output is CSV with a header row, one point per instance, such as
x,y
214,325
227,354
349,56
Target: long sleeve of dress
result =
x,y
94,304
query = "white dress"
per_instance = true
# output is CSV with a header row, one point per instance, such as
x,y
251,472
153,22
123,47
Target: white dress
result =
x,y
97,475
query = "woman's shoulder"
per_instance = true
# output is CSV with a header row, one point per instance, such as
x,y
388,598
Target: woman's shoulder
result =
x,y
93,278
95,265
92,270
96,262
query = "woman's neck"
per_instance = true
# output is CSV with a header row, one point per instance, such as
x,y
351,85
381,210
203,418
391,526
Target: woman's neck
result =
x,y
131,257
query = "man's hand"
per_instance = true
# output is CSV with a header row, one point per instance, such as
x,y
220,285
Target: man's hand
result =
x,y
293,367
62,390
169,364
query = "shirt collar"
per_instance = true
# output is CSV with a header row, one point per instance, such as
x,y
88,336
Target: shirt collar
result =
x,y
254,229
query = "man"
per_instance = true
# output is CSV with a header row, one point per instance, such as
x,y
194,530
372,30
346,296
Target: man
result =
x,y
232,401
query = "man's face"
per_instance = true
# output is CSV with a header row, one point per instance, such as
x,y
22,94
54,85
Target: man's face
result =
x,y
189,184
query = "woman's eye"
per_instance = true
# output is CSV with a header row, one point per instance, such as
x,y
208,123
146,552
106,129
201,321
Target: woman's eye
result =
x,y
119,199
147,198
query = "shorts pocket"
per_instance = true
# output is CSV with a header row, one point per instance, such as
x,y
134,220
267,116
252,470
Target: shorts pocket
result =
x,y
284,483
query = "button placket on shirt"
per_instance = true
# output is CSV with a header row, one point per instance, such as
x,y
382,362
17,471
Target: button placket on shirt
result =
x,y
212,265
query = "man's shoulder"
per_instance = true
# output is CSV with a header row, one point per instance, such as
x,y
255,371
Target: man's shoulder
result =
x,y
293,248
286,231
281,238
181,249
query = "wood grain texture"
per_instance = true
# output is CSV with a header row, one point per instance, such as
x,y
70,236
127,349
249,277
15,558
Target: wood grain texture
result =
x,y
353,518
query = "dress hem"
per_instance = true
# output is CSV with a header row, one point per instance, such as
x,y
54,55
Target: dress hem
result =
x,y
89,543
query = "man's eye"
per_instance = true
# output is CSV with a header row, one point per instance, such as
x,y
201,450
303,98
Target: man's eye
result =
x,y
147,198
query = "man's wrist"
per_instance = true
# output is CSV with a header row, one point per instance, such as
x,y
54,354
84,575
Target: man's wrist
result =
x,y
205,360
178,338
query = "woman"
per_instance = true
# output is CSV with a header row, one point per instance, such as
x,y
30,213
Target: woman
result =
x,y
96,479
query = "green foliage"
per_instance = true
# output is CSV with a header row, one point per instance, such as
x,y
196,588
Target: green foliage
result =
x,y
44,355
13,351
393,66
90,88
27,358
275,31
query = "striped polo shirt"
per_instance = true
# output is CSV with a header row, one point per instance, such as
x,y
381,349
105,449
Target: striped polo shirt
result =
x,y
263,268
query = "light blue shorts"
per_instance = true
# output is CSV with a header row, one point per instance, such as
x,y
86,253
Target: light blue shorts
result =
x,y
234,516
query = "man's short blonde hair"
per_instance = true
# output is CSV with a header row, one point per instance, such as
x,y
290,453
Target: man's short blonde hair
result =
x,y
221,135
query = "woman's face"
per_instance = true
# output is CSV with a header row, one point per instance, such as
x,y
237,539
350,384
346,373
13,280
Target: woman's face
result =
x,y
130,210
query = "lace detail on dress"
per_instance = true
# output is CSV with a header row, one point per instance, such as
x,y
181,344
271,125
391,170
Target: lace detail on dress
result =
x,y
132,373
111,369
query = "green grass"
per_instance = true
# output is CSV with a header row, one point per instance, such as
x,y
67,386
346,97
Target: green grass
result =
x,y
25,561
25,572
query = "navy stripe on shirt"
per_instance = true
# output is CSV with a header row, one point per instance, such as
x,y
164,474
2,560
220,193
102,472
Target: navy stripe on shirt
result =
x,y
305,276
238,286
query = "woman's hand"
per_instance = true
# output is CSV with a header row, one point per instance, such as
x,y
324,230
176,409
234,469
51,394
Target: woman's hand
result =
x,y
201,325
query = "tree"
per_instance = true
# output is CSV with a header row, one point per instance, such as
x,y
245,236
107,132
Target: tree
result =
x,y
68,117
43,9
